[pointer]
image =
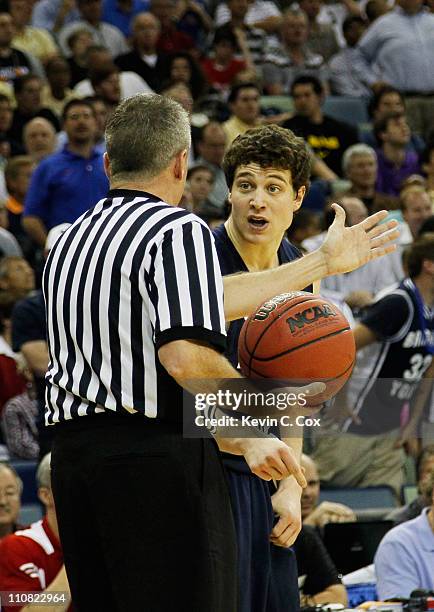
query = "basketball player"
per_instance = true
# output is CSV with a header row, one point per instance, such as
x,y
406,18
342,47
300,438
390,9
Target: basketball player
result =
x,y
385,397
267,171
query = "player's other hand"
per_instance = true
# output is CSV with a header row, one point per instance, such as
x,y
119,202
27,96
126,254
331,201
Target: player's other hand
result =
x,y
271,459
286,506
347,248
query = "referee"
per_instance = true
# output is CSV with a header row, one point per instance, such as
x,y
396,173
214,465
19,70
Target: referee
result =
x,y
134,301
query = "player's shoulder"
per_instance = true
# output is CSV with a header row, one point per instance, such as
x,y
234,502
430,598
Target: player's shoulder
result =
x,y
288,251
395,296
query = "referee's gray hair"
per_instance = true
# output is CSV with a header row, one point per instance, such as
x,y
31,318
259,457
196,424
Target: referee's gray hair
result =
x,y
144,134
43,473
357,149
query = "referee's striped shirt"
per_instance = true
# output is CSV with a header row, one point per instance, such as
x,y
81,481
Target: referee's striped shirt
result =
x,y
130,275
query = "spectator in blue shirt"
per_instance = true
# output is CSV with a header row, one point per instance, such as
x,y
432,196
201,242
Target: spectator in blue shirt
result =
x,y
119,13
405,557
52,15
66,184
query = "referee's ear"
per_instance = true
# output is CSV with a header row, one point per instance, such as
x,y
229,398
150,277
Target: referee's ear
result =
x,y
180,167
107,167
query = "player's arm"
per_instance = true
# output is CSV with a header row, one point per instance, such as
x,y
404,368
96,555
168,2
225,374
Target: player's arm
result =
x,y
58,587
198,369
286,502
363,336
343,250
410,431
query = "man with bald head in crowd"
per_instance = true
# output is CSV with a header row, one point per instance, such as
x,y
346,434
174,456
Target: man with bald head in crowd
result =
x,y
314,512
11,487
39,137
144,59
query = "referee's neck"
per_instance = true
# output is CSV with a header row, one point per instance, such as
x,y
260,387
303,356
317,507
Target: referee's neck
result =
x,y
162,186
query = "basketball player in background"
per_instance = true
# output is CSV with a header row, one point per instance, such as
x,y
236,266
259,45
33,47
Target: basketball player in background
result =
x,y
382,406
267,171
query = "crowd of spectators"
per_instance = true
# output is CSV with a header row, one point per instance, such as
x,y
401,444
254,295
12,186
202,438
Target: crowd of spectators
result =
x,y
353,78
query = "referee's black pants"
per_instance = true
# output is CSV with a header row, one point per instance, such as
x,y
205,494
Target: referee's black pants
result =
x,y
144,517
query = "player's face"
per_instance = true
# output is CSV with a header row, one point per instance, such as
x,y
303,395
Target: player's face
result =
x,y
9,497
263,203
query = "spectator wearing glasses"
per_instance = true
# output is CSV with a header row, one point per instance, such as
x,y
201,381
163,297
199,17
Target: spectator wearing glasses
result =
x,y
11,487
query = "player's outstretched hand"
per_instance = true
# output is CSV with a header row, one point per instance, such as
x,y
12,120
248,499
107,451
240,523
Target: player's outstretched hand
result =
x,y
347,248
271,459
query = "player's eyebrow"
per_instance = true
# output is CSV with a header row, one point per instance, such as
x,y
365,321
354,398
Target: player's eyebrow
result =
x,y
247,174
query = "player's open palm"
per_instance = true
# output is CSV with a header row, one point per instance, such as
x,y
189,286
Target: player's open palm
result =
x,y
287,507
347,248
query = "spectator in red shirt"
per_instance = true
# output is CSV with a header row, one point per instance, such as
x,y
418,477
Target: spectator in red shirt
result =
x,y
11,487
31,559
222,67
171,39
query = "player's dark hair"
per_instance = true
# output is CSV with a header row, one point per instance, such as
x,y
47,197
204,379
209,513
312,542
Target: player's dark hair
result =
x,y
420,250
381,124
306,79
237,88
270,146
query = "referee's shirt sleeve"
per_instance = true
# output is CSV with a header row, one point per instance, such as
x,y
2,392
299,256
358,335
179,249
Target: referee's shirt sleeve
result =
x,y
185,287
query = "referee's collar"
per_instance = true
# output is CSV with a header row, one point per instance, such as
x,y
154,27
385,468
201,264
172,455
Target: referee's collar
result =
x,y
131,193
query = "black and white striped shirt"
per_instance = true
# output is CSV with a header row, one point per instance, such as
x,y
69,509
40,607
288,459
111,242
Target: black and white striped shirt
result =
x,y
130,275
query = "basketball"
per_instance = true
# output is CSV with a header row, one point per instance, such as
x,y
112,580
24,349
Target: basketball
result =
x,y
299,337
